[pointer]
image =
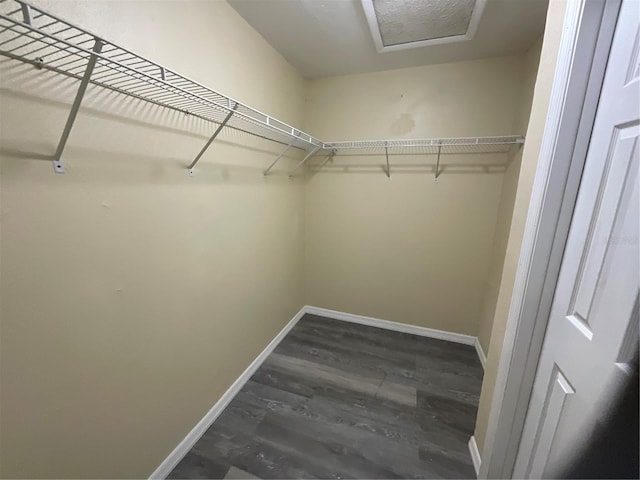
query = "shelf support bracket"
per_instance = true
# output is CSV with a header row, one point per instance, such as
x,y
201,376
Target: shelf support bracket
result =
x,y
58,165
327,159
213,137
435,179
301,162
268,169
26,13
386,154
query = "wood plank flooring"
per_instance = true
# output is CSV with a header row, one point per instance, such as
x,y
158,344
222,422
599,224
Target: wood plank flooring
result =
x,y
341,400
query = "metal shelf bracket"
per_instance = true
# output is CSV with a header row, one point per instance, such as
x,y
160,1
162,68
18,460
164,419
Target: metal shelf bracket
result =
x,y
210,141
26,13
327,159
386,154
268,169
301,162
58,165
437,173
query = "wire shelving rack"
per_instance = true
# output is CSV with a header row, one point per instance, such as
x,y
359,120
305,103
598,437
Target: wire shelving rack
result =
x,y
32,35
501,144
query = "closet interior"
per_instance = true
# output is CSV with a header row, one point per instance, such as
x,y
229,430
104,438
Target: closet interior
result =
x,y
186,228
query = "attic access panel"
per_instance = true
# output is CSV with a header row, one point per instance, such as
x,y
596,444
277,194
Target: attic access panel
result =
x,y
402,24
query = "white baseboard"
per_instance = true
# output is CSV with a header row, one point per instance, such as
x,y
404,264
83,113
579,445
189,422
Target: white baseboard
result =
x,y
389,325
475,454
194,435
480,351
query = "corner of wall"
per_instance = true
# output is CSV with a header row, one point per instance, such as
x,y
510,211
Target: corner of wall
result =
x,y
536,122
529,69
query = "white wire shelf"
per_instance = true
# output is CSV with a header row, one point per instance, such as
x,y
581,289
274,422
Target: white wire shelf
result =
x,y
32,35
431,146
500,144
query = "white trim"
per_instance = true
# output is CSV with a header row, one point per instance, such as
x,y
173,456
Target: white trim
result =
x,y
374,28
480,352
475,454
586,39
194,435
395,326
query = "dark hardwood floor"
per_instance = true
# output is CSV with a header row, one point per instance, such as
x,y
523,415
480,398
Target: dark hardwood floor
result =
x,y
341,400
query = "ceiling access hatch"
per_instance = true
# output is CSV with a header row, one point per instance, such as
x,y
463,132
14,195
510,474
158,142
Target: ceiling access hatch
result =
x,y
402,24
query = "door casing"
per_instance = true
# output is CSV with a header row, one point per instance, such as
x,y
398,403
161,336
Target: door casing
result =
x,y
584,48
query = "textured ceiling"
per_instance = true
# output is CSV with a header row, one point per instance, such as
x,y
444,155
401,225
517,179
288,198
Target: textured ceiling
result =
x,y
323,38
406,21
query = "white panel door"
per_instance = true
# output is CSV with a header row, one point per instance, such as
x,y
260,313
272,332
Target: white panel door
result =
x,y
593,325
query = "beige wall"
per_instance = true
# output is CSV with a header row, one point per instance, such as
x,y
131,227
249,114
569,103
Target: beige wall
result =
x,y
507,196
127,287
544,80
408,249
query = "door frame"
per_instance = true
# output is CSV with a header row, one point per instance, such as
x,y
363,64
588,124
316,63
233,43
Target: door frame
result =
x,y
587,33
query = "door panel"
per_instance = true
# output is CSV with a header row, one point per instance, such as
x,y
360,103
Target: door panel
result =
x,y
557,393
593,325
600,228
